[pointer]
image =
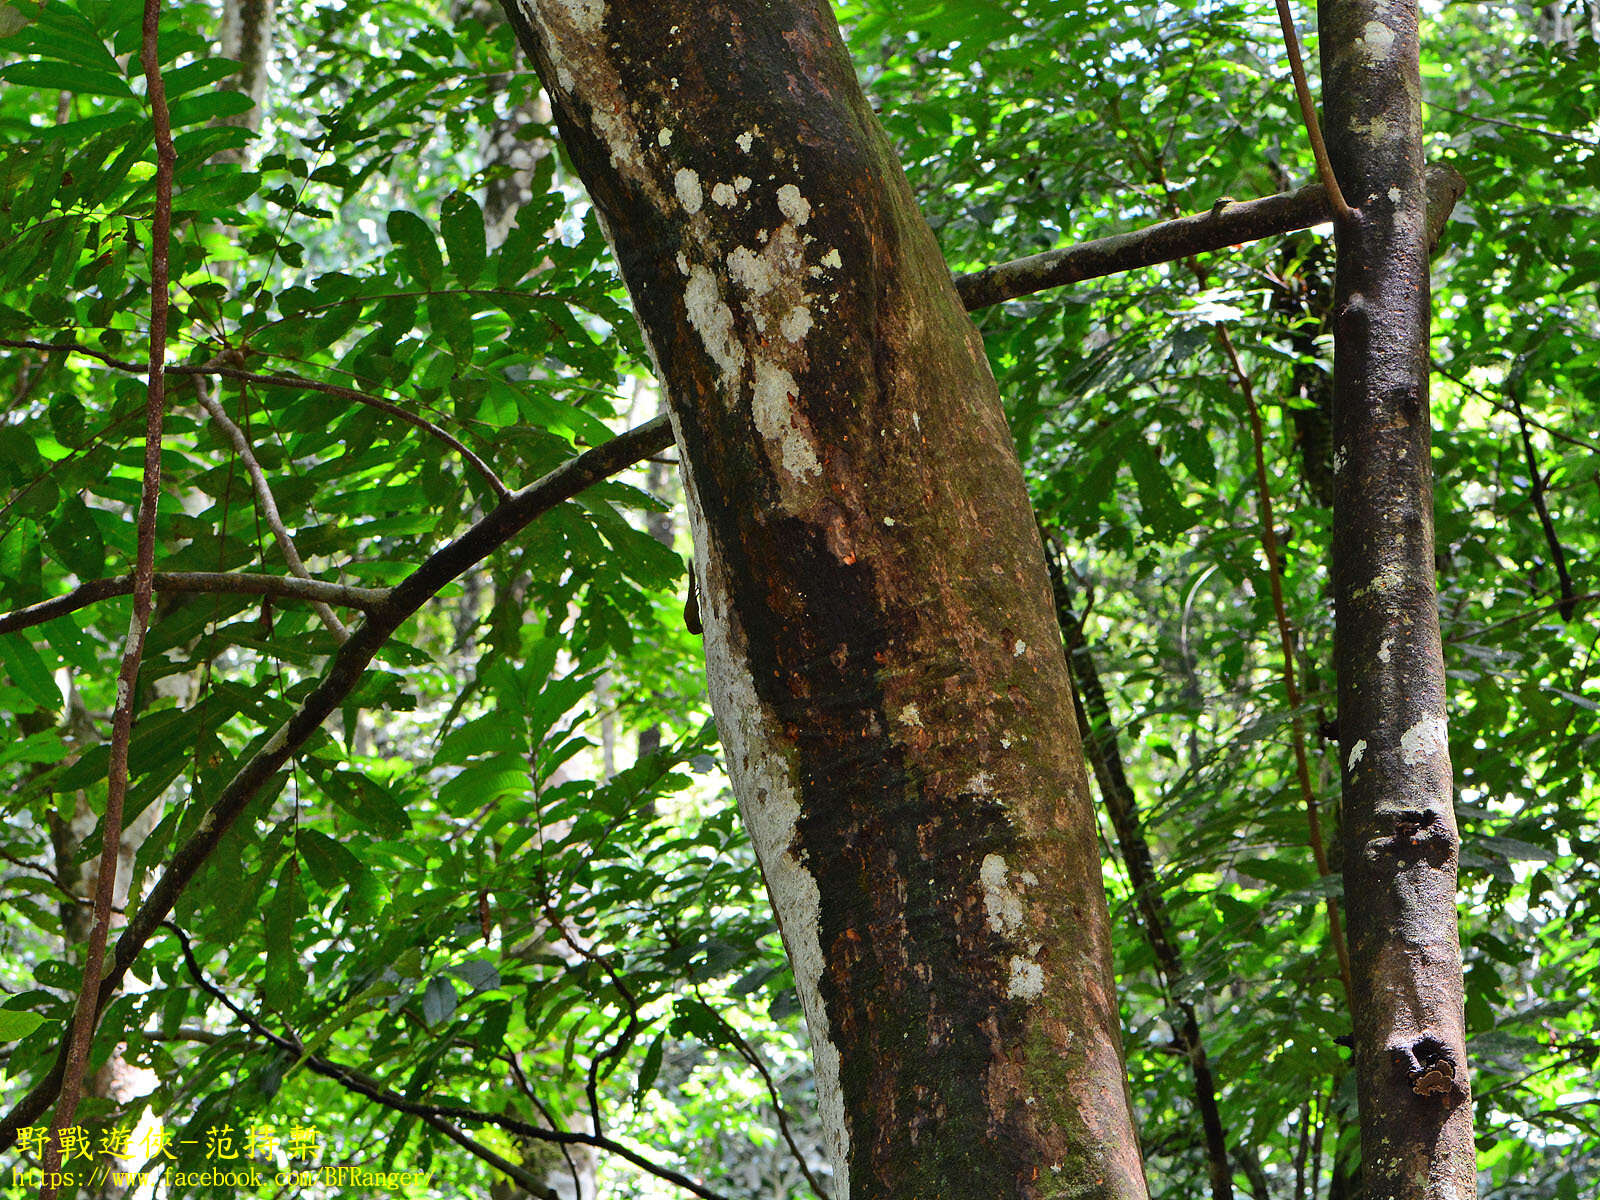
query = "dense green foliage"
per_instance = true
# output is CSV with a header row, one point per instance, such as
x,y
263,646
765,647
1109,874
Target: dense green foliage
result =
x,y
510,876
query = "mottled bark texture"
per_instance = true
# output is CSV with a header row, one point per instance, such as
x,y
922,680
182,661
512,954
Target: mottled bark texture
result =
x,y
1401,845
881,646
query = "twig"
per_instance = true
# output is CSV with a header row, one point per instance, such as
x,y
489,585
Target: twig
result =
x,y
269,505
524,1178
211,582
748,1053
1291,689
87,1009
363,1085
1525,615
283,380
341,676
355,396
1568,607
1308,111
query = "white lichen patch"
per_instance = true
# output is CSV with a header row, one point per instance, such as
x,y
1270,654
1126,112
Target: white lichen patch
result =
x,y
796,323
1339,459
1027,979
1384,650
1378,39
724,194
1001,901
795,207
751,271
779,423
587,15
741,183
911,715
1394,195
745,140
712,319
981,784
664,138
832,259
1423,740
687,185
1019,649
1356,752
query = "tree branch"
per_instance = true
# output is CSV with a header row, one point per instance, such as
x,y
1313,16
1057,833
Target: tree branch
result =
x,y
1228,224
1308,113
340,678
269,505
86,1012
212,582
434,1114
1291,688
1568,606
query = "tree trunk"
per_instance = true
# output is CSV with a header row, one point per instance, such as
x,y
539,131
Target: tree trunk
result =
x,y
881,645
1401,846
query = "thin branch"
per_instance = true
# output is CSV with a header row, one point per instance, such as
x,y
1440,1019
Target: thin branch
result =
x,y
1098,734
209,582
748,1053
1568,607
283,380
269,505
1308,112
1291,688
1539,131
355,396
87,1010
523,1177
1525,615
340,678
364,1085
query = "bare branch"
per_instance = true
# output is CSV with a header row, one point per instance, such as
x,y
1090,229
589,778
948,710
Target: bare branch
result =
x,y
1229,223
87,1010
1308,113
269,506
340,678
205,582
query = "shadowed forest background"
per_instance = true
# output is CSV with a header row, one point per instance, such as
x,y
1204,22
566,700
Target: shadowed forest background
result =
x,y
500,920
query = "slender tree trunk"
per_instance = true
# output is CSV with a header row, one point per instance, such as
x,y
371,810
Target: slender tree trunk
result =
x,y
883,659
1098,732
1401,845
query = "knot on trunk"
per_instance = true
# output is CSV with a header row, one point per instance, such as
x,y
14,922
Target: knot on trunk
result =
x,y
1418,835
1430,1068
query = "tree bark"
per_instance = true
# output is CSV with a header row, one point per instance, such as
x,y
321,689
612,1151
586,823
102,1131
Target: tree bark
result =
x,y
1401,845
881,646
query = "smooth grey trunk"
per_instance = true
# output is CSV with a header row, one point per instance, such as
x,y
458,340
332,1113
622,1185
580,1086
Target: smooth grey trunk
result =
x,y
1401,845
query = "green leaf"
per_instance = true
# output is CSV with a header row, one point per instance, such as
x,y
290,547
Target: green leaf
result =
x,y
418,248
461,221
66,77
28,671
439,1000
15,1025
285,979
76,540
